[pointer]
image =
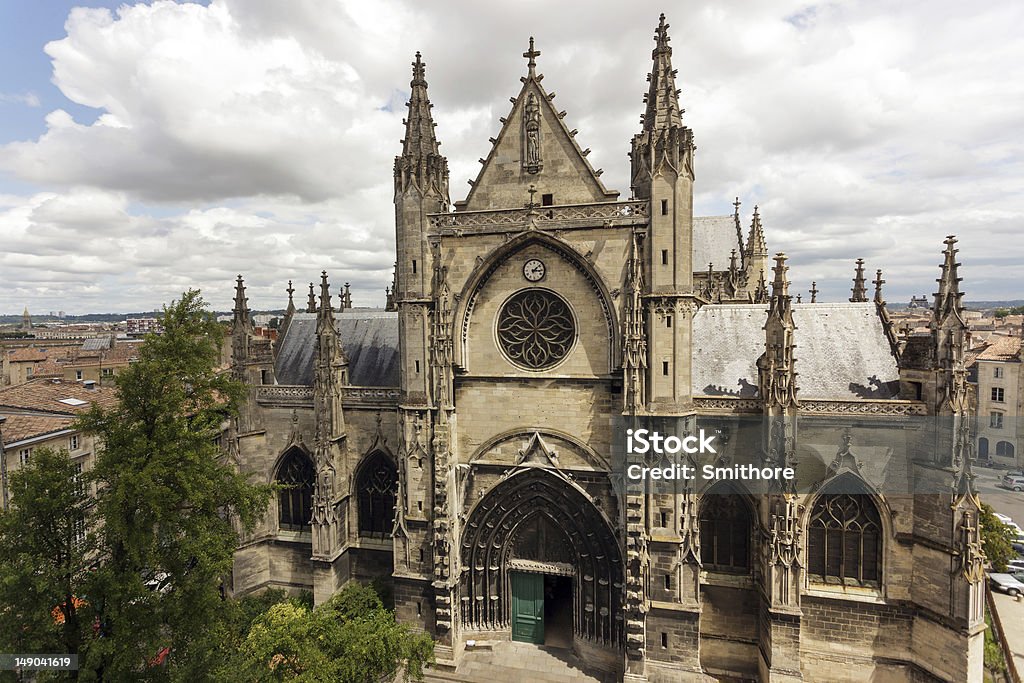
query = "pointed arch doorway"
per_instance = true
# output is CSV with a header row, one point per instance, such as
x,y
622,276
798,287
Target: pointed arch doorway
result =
x,y
540,562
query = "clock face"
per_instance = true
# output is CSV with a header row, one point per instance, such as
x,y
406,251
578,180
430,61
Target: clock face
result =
x,y
534,270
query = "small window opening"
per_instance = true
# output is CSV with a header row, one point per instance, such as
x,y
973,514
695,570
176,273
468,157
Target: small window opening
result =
x,y
664,367
419,609
664,207
414,266
664,639
668,582
547,200
664,519
419,505
664,257
668,321
417,367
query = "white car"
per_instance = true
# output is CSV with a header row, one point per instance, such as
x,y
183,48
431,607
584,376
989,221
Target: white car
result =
x,y
1012,482
1005,583
1014,566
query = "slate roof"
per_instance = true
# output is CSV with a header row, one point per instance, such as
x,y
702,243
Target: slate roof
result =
x,y
714,238
841,351
369,338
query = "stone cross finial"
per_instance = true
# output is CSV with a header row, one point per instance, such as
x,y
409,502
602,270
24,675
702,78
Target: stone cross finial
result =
x,y
878,282
814,292
531,56
532,191
290,290
661,33
736,205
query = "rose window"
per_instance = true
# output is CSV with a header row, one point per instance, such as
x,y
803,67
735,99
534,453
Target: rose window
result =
x,y
536,328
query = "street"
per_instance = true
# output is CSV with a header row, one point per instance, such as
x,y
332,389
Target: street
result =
x,y
1009,503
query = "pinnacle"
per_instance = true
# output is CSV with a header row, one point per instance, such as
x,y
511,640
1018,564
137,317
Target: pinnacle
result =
x,y
859,291
420,139
662,98
755,240
780,286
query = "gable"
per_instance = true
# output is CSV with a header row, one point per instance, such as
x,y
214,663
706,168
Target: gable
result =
x,y
536,148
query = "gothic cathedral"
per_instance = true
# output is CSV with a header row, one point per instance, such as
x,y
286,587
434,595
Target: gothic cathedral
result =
x,y
464,444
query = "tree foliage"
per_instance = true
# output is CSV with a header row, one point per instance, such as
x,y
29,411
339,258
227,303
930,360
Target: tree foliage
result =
x,y
996,539
43,557
351,638
165,501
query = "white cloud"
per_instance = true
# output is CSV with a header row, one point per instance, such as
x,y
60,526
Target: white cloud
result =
x,y
259,137
29,99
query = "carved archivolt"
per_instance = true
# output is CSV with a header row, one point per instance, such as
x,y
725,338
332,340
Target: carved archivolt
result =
x,y
494,534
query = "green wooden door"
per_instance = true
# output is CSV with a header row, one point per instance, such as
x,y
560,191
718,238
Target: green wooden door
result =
x,y
528,607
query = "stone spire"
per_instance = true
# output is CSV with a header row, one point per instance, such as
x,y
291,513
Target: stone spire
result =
x,y
324,308
878,282
421,165
531,57
860,292
777,375
664,142
241,321
948,300
662,99
755,239
814,292
291,300
311,301
346,299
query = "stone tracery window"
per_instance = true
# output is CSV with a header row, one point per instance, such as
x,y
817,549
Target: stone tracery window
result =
x,y
295,498
845,541
725,533
377,486
536,329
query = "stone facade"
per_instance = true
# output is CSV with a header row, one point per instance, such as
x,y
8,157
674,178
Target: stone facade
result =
x,y
532,323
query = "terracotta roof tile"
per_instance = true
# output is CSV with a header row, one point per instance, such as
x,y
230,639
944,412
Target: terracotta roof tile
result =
x,y
56,396
1002,348
21,427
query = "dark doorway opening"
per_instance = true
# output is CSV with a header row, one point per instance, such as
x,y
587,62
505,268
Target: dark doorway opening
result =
x,y
558,611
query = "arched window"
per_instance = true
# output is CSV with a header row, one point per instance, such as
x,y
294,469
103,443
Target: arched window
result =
x,y
1005,449
295,498
376,486
982,447
844,544
725,532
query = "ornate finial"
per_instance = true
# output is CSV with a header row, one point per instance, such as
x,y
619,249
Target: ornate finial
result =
x,y
860,293
814,292
878,282
736,206
241,310
780,286
798,298
290,290
419,74
661,33
531,56
311,301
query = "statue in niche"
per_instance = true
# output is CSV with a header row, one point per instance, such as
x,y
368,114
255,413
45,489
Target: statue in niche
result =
x,y
531,120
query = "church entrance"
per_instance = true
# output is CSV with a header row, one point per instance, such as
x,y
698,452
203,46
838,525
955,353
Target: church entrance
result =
x,y
541,560
542,609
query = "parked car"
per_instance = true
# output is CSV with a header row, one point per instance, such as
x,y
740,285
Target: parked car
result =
x,y
1012,482
1005,583
1015,566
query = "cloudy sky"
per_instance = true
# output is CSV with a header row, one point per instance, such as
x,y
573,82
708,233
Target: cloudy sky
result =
x,y
146,148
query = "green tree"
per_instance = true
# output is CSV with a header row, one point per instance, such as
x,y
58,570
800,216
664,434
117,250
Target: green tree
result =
x,y
43,554
351,638
996,539
1001,312
166,501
